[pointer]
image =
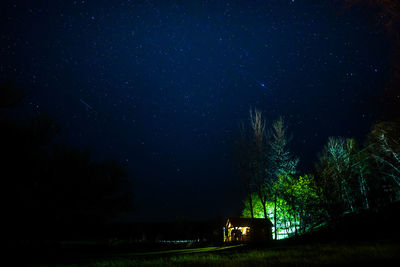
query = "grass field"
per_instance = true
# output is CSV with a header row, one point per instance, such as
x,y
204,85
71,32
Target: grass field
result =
x,y
377,254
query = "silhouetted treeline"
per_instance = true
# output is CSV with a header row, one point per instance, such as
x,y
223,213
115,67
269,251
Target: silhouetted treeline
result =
x,y
45,185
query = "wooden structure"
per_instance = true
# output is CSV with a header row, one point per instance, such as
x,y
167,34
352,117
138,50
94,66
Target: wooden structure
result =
x,y
247,230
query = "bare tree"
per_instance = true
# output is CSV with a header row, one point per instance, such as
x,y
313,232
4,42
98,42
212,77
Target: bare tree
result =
x,y
258,126
342,170
385,141
259,157
243,156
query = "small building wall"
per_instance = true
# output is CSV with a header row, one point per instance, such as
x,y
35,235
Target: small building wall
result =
x,y
247,230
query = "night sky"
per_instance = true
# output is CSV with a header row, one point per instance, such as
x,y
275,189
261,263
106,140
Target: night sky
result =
x,y
161,86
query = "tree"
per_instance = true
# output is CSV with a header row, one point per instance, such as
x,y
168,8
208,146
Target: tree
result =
x,y
264,160
305,201
281,165
253,160
362,169
259,159
334,172
384,150
257,206
285,223
243,153
342,176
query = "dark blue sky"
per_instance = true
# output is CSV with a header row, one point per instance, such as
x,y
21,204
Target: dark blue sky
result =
x,y
161,86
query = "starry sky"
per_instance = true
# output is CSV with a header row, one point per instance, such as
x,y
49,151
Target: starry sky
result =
x,y
161,86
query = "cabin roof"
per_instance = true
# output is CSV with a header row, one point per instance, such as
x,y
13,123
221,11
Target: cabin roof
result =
x,y
243,222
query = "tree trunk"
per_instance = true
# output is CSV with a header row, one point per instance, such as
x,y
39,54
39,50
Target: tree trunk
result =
x,y
264,204
275,218
363,189
345,195
265,209
294,215
251,206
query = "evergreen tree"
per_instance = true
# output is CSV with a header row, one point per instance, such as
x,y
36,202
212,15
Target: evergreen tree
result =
x,y
281,165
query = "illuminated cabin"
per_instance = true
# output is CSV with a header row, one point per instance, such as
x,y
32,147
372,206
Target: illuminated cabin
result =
x,y
247,230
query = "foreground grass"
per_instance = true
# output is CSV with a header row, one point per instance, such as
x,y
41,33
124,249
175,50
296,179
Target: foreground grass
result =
x,y
378,254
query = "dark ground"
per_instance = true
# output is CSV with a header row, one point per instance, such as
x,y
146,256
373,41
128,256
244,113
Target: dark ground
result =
x,y
355,238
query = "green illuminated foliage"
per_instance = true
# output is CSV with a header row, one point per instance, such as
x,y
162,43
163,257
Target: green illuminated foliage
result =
x,y
297,208
284,221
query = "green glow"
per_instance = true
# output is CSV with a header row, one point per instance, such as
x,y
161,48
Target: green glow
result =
x,y
297,204
285,222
